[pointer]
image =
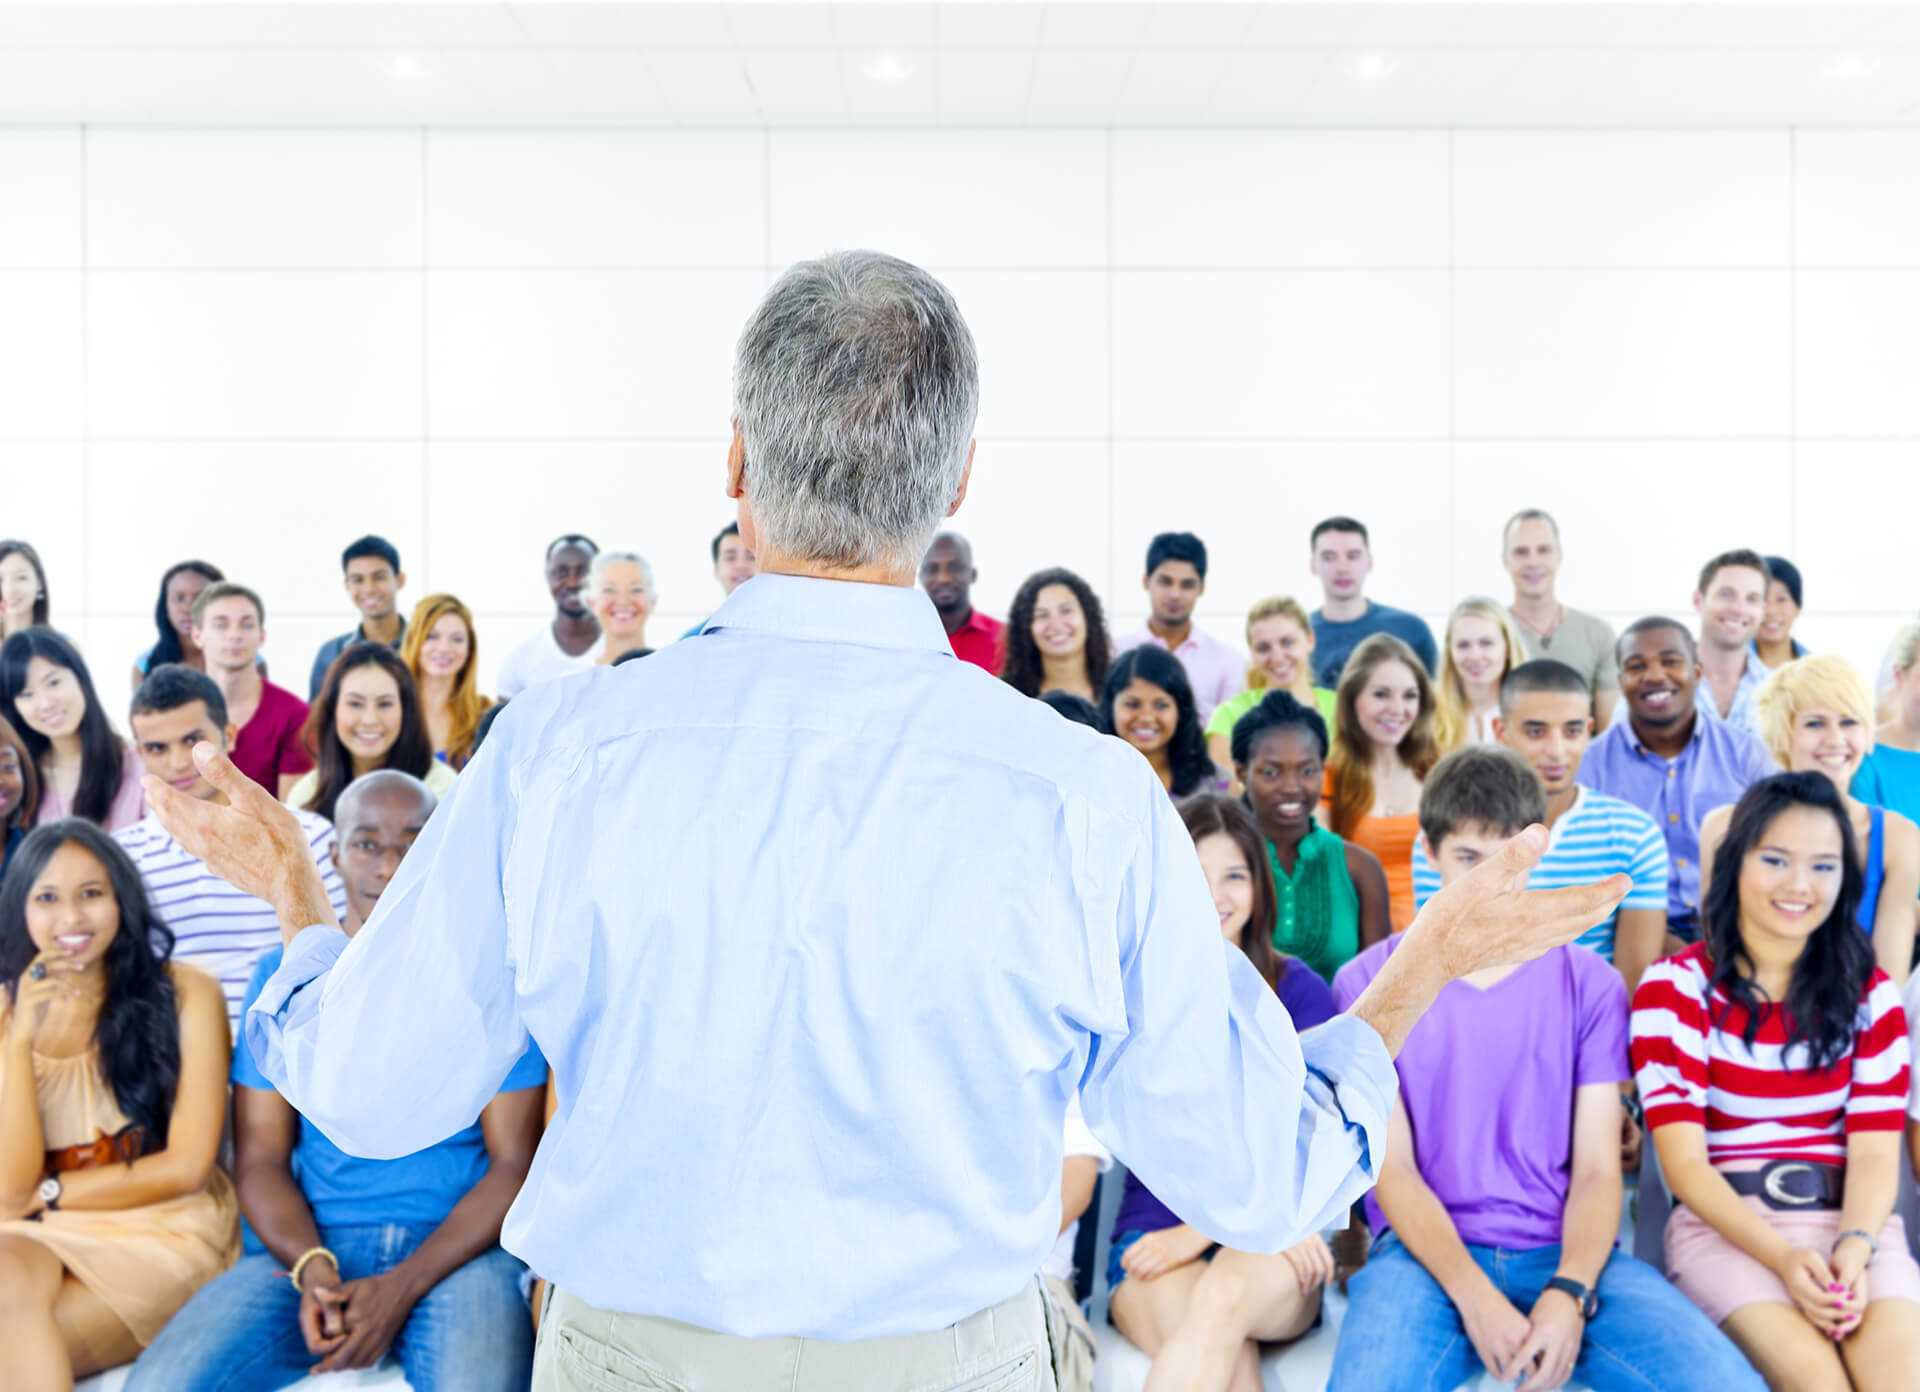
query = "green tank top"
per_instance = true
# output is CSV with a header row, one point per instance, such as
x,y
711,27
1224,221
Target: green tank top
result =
x,y
1318,919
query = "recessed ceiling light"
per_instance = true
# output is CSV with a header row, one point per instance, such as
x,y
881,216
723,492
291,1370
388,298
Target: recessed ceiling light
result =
x,y
1848,68
405,65
887,67
1374,66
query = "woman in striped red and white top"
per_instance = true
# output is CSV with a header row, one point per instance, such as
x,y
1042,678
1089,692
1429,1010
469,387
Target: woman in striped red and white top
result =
x,y
1773,1061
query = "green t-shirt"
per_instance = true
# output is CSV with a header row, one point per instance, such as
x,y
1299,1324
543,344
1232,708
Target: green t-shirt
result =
x,y
1228,712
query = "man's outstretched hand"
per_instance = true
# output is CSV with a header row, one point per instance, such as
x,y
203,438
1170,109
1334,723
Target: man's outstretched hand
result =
x,y
1486,918
250,841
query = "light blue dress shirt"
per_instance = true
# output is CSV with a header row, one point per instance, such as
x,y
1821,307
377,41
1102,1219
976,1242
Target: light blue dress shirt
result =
x,y
820,928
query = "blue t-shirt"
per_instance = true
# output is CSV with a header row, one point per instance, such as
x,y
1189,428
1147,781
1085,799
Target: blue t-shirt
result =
x,y
1334,641
346,1191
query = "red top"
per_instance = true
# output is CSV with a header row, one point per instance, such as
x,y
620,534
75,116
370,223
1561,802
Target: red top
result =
x,y
980,641
1763,1103
269,744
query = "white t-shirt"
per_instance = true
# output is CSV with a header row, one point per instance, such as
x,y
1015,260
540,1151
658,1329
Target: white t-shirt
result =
x,y
540,658
1912,1002
1080,1141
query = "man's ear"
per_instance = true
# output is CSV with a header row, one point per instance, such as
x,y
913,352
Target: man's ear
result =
x,y
966,477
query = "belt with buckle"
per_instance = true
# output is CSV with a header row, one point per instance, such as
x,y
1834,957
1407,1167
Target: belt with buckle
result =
x,y
1787,1185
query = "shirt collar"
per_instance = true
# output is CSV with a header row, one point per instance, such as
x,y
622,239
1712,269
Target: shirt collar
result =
x,y
1701,715
833,611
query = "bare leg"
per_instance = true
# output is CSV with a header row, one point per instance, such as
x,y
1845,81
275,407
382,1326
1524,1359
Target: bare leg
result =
x,y
1241,1300
1149,1312
36,1354
1883,1354
1787,1351
96,1340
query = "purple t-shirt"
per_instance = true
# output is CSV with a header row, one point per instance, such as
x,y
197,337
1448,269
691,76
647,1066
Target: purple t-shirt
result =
x,y
1487,1078
1308,1003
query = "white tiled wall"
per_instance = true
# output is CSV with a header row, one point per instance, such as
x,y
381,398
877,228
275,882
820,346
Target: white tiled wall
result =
x,y
253,345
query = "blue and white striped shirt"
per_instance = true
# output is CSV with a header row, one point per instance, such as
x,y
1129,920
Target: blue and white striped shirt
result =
x,y
215,927
1596,837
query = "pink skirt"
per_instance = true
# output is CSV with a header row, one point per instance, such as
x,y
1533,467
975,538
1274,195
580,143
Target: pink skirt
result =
x,y
1720,1278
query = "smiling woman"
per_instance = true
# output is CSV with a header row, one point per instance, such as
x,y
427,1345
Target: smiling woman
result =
x,y
442,651
367,717
85,769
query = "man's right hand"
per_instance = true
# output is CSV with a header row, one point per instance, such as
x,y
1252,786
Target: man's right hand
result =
x,y
320,1323
1496,1329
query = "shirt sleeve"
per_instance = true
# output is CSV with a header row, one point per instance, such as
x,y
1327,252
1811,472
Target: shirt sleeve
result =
x,y
246,1073
1669,1045
1648,867
292,756
1882,1061
1426,879
428,980
1602,1052
1082,1141
1249,1133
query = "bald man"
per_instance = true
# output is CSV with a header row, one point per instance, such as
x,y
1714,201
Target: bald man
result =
x,y
947,575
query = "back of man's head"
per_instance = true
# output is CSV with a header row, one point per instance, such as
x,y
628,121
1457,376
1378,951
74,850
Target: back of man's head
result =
x,y
1339,524
1542,674
1177,546
855,386
371,548
1485,789
172,685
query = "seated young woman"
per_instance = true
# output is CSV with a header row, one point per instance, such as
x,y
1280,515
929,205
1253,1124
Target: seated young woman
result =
x,y
1816,716
1773,1060
1330,896
1148,702
1056,637
1383,748
113,1092
86,770
1199,1310
368,717
1482,646
1280,637
442,651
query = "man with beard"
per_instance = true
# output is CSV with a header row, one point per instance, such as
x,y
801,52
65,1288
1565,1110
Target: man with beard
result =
x,y
571,641
947,575
1669,758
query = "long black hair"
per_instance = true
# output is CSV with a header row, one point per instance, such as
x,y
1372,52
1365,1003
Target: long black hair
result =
x,y
167,647
412,750
1187,750
101,750
1823,995
13,546
138,1032
1022,667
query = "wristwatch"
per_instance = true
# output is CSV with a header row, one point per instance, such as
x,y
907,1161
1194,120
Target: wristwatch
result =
x,y
50,1192
1588,1302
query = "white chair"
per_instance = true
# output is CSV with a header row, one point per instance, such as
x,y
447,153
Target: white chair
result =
x,y
385,1378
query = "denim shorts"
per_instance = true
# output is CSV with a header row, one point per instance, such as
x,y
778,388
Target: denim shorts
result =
x,y
1117,1273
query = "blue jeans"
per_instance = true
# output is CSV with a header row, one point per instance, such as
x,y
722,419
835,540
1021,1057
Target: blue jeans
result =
x,y
241,1331
1402,1331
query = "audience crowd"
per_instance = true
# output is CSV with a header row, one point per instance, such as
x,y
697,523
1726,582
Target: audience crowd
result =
x,y
1751,1006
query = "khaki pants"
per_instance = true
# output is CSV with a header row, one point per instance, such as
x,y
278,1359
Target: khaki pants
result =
x,y
581,1349
1072,1337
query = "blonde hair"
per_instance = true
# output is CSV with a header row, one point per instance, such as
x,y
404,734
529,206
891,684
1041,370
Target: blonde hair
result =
x,y
1906,645
1452,714
1277,607
1349,761
1821,682
466,703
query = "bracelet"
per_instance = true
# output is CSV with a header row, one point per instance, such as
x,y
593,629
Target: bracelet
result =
x,y
1873,1246
307,1256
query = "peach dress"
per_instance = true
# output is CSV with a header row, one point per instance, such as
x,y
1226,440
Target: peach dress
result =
x,y
144,1263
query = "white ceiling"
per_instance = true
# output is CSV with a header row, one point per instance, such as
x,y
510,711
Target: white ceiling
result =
x,y
709,63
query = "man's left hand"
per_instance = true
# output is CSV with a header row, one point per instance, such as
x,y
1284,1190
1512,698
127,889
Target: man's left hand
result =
x,y
374,1309
250,841
1555,1332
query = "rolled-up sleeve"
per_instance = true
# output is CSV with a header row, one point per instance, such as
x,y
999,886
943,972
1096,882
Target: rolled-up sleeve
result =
x,y
394,1040
1253,1134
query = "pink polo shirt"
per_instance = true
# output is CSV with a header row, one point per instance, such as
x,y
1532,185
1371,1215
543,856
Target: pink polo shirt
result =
x,y
1215,669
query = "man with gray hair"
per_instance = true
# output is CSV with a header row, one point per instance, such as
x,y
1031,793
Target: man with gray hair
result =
x,y
822,928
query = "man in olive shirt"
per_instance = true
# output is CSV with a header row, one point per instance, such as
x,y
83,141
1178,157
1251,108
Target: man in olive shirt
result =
x,y
1530,550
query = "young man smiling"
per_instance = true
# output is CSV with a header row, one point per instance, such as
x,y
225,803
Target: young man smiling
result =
x,y
571,641
216,927
947,574
1669,758
1341,558
1731,602
1175,579
229,624
370,570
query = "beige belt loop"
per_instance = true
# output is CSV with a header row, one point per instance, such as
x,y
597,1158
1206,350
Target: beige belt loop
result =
x,y
973,1338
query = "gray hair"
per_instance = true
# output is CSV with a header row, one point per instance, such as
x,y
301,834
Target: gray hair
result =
x,y
603,559
855,386
1906,645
